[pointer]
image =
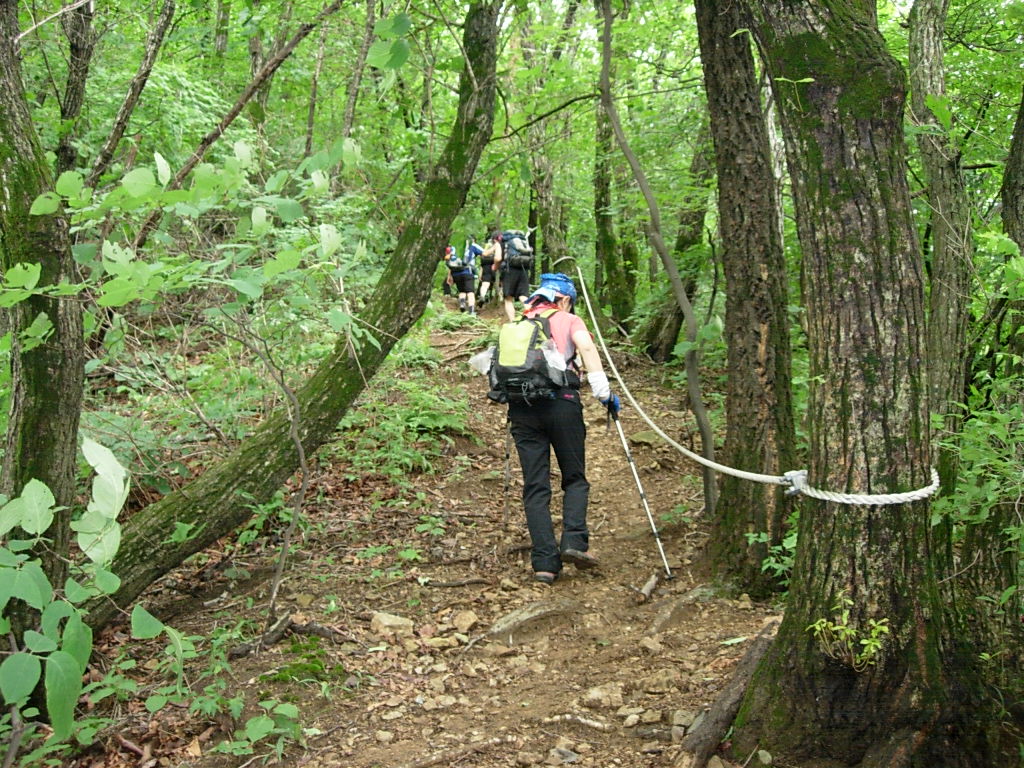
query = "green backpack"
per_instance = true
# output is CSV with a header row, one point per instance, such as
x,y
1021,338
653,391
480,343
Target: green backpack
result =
x,y
520,371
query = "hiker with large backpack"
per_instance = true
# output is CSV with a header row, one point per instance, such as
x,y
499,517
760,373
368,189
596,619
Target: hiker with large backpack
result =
x,y
516,263
534,370
463,274
488,269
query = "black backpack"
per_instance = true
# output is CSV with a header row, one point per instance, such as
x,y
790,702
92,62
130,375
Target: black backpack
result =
x,y
517,250
520,371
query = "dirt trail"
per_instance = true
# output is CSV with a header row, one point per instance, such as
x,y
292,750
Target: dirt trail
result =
x,y
420,672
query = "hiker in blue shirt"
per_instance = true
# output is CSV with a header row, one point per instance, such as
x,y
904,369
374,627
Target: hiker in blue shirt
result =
x,y
462,273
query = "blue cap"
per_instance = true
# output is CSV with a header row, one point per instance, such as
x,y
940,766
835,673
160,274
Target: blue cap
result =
x,y
553,285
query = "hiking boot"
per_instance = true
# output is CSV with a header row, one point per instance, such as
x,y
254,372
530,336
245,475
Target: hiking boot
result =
x,y
581,560
545,577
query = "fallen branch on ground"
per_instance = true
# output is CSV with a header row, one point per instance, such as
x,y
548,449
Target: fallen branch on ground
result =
x,y
702,741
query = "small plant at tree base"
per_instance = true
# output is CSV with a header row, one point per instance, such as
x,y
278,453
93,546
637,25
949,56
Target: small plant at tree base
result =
x,y
846,644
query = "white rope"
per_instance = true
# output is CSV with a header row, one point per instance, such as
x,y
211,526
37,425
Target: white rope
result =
x,y
796,479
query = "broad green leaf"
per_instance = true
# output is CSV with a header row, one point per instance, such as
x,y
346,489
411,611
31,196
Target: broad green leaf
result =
x,y
139,182
23,276
276,182
77,640
52,616
37,505
939,105
338,320
156,702
282,263
101,458
118,292
260,223
163,169
258,727
108,583
63,687
378,56
45,204
19,674
321,182
243,153
330,240
289,210
38,642
8,298
144,624
69,184
75,592
31,585
98,536
36,333
246,287
10,516
351,154
108,495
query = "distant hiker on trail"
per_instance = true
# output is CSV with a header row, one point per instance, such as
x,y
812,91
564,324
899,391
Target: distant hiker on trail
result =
x,y
488,269
515,264
543,418
461,270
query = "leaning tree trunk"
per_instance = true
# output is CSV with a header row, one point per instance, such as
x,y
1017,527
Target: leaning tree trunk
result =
x,y
760,436
46,379
913,700
220,500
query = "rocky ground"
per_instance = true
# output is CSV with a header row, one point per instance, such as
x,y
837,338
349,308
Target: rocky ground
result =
x,y
463,659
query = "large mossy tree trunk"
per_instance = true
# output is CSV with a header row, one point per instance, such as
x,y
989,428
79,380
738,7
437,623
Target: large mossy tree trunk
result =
x,y
760,435
46,378
221,500
914,701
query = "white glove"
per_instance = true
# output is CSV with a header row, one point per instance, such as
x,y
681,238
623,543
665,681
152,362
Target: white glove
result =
x,y
599,385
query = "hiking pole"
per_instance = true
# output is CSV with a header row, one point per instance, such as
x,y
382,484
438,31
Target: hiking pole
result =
x,y
614,416
508,466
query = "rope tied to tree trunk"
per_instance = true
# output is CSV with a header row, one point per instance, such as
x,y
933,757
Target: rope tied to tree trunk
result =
x,y
795,480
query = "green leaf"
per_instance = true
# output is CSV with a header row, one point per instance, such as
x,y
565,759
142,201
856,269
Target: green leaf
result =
x,y
31,585
63,687
98,536
102,459
163,169
108,583
77,640
37,505
19,674
282,263
258,727
156,702
139,182
69,184
75,592
247,288
289,210
144,624
23,276
260,223
38,643
45,204
49,622
939,105
330,240
118,292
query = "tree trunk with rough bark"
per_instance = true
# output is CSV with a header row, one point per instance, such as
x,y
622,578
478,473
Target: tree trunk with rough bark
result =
x,y
760,435
221,499
47,379
952,252
77,26
914,700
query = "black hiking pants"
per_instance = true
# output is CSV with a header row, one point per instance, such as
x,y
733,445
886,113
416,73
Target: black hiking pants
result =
x,y
537,427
